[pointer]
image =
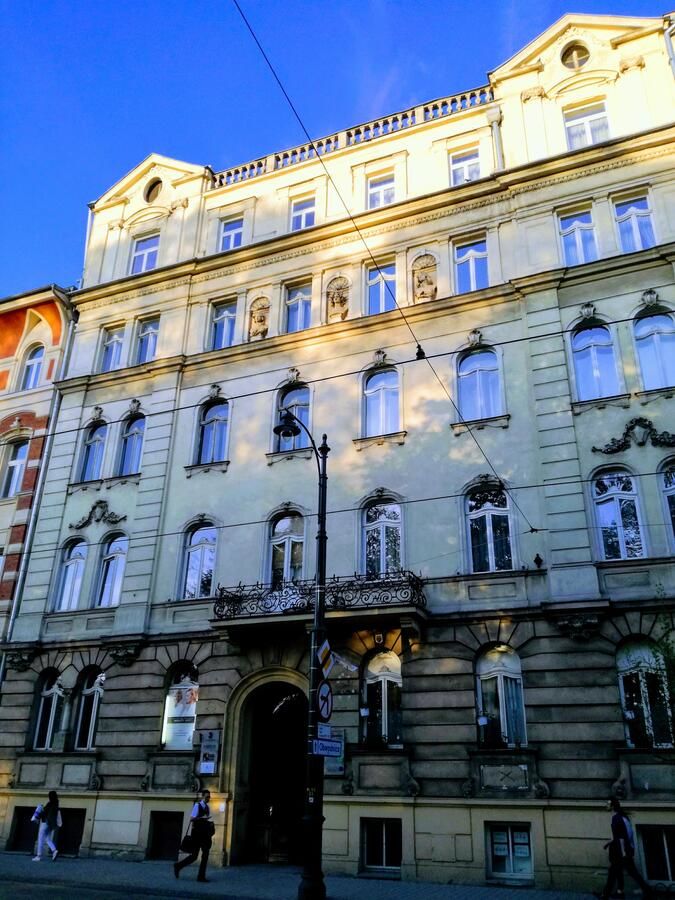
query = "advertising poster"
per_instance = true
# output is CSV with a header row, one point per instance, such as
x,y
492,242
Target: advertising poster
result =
x,y
180,715
208,752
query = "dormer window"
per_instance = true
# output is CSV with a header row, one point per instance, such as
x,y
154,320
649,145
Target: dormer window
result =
x,y
144,256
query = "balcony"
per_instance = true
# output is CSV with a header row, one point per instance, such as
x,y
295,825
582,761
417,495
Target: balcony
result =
x,y
395,596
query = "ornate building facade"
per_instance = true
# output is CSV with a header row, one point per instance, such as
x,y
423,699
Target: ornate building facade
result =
x,y
487,337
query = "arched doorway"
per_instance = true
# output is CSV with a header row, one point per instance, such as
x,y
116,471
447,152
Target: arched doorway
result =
x,y
271,773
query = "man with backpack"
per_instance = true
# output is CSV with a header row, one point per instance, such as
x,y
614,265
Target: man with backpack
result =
x,y
49,818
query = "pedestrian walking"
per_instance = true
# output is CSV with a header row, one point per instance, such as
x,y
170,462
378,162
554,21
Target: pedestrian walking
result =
x,y
621,855
202,830
49,818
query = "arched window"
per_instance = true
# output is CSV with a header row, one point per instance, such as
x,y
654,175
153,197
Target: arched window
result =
x,y
32,368
287,537
479,385
94,447
50,706
488,520
180,707
296,400
90,692
381,403
200,554
643,687
132,446
381,696
113,561
594,363
381,529
617,515
499,696
213,424
73,561
655,342
668,480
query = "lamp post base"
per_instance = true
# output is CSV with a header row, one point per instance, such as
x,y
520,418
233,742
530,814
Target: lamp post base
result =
x,y
312,885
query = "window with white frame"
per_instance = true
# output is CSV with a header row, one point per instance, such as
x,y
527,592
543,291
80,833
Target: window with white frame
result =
x,y
146,340
111,353
92,455
381,699
381,403
471,266
634,221
668,487
509,850
381,190
231,234
577,237
655,343
617,515
50,707
295,399
71,575
89,696
643,686
32,368
499,698
16,456
489,526
479,384
303,213
381,538
298,307
381,844
111,576
144,254
595,369
132,446
199,561
381,288
586,125
222,324
213,426
287,538
464,166
658,851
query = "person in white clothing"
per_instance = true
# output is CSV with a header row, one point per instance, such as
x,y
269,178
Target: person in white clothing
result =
x,y
49,817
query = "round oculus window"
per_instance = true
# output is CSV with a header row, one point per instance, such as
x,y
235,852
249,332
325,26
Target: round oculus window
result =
x,y
574,56
153,189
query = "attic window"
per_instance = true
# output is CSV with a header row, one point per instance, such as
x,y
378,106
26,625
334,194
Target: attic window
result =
x,y
153,189
574,56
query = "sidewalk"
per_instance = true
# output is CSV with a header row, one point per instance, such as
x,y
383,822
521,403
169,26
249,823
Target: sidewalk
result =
x,y
138,879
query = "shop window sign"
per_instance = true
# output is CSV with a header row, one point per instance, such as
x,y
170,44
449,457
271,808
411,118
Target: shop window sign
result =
x,y
510,851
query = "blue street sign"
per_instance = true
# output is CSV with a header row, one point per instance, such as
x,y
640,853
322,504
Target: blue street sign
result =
x,y
323,747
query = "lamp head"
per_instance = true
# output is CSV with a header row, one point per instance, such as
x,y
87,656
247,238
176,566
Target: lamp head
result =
x,y
287,428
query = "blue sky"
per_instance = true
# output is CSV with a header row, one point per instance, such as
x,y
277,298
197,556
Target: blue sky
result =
x,y
88,89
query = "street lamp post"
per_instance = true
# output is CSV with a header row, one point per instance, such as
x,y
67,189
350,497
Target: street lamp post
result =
x,y
312,886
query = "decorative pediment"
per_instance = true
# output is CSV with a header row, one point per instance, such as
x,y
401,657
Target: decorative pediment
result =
x,y
99,512
637,431
163,166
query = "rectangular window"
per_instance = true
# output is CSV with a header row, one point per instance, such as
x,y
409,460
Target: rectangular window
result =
x,y
2,561
222,329
380,191
381,288
231,234
16,456
658,851
509,851
577,235
585,126
634,221
303,213
464,166
111,357
471,269
381,843
148,331
144,256
298,307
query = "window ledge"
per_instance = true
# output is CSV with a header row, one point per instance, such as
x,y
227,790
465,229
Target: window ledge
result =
x,y
220,466
635,562
106,483
664,393
581,406
478,424
279,455
394,437
499,575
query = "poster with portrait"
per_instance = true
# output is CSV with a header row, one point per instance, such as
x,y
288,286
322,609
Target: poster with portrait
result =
x,y
180,715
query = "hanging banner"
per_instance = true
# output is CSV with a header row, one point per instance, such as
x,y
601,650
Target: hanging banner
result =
x,y
180,715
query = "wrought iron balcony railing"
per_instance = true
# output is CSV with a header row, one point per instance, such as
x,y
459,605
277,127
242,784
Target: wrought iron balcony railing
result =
x,y
343,594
